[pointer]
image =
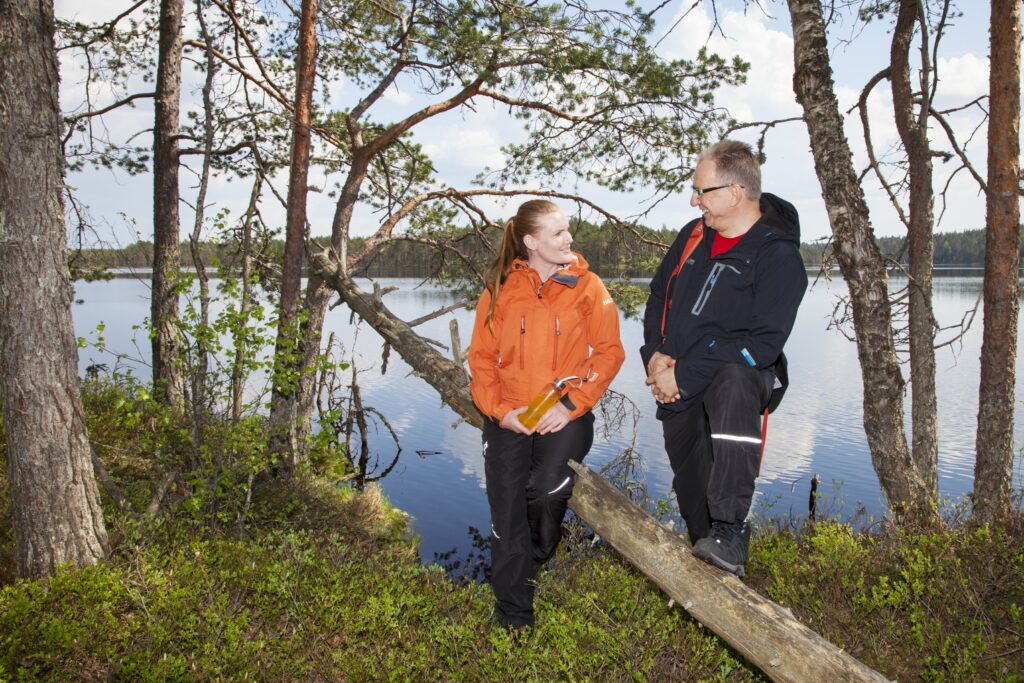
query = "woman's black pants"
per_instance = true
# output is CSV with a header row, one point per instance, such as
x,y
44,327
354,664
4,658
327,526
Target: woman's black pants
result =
x,y
529,484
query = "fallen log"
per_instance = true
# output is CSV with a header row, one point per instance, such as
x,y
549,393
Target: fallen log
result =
x,y
763,632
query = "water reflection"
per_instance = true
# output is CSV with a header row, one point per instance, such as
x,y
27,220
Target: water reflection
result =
x,y
439,477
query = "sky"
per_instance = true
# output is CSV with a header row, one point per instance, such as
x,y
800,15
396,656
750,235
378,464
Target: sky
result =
x,y
461,143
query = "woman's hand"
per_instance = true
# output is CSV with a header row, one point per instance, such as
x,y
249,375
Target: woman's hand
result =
x,y
553,420
511,421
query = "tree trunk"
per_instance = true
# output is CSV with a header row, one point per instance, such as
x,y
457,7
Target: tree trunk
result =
x,y
240,329
311,328
54,501
765,633
201,369
446,376
861,263
994,465
913,132
318,295
167,371
288,365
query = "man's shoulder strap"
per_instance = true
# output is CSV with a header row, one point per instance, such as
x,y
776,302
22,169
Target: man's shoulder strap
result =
x,y
691,243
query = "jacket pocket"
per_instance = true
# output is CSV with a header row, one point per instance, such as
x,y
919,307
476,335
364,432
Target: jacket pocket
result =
x,y
709,284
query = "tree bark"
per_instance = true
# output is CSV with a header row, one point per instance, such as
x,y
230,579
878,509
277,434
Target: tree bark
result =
x,y
765,633
54,500
861,263
201,368
994,464
288,365
167,371
913,130
318,295
240,330
446,376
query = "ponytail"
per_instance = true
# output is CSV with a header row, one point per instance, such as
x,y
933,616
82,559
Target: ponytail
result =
x,y
512,247
508,251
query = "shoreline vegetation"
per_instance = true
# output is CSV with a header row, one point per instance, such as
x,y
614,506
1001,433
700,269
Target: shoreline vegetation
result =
x,y
317,580
607,252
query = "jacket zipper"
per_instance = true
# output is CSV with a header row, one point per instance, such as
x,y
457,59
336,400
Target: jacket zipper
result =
x,y
709,284
558,333
522,342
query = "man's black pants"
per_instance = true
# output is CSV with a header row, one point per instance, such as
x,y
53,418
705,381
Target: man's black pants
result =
x,y
529,484
714,447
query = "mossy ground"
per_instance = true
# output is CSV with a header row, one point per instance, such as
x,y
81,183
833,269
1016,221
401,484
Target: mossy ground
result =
x,y
324,583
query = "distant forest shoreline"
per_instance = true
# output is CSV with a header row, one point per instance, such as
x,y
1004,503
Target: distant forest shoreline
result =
x,y
607,253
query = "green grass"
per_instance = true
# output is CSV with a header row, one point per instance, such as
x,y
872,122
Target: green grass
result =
x,y
325,583
337,604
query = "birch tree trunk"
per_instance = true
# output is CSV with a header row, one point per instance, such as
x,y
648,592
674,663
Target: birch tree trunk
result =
x,y
913,130
994,465
54,500
861,263
288,365
167,372
201,367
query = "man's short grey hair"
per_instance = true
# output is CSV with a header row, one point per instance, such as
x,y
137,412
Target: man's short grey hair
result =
x,y
736,162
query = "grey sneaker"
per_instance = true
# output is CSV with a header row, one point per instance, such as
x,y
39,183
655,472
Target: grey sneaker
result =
x,y
726,547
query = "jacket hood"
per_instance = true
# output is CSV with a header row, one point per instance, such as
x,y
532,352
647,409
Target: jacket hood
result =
x,y
781,217
569,274
779,221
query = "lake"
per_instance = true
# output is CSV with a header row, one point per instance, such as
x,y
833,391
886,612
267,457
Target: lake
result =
x,y
817,429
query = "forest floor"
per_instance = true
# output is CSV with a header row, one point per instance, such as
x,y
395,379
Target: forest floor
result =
x,y
323,582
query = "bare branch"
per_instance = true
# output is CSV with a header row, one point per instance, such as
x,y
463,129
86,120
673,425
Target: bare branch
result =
x,y
764,126
951,136
72,120
385,231
393,132
964,325
244,144
438,313
975,102
105,30
862,106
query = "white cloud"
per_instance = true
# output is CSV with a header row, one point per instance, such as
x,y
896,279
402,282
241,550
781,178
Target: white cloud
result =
x,y
768,92
963,77
457,145
396,96
89,12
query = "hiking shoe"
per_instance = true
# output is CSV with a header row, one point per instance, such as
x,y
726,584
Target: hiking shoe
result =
x,y
726,547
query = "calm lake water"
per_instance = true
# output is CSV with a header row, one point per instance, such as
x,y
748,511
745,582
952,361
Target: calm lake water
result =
x,y
439,476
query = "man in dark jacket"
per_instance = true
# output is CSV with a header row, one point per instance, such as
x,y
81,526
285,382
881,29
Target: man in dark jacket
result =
x,y
722,304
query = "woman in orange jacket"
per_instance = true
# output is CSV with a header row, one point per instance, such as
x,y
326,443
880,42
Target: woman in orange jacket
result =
x,y
542,317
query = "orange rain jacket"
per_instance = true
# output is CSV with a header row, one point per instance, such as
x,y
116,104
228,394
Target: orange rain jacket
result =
x,y
568,325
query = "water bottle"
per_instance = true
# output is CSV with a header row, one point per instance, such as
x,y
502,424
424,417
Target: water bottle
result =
x,y
543,401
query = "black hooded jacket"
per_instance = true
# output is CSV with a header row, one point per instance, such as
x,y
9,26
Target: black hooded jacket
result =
x,y
738,307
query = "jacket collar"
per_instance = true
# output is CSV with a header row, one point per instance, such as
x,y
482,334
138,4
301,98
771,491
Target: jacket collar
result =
x,y
568,275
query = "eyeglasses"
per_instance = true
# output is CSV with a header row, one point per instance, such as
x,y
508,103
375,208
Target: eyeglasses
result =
x,y
701,191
